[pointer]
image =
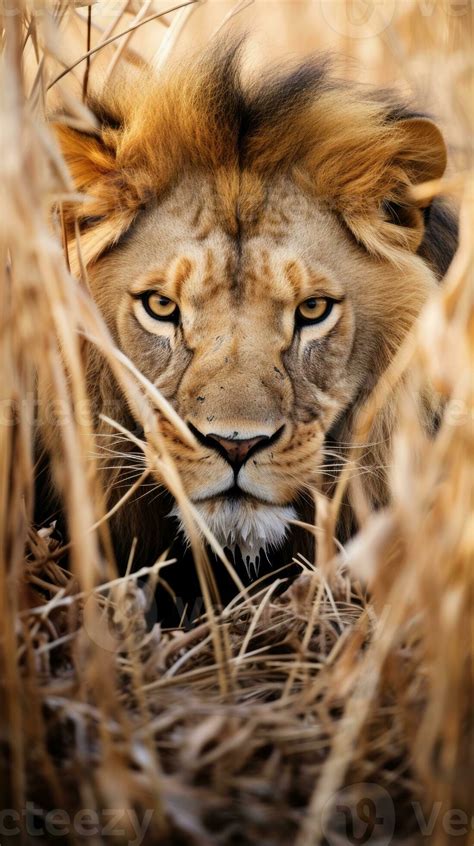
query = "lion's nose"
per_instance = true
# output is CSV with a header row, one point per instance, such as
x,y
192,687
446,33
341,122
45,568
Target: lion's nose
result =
x,y
236,451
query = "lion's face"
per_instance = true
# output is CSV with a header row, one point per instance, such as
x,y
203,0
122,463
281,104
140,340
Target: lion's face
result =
x,y
259,251
260,339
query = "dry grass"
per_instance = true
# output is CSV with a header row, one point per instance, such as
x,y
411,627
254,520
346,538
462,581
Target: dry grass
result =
x,y
261,724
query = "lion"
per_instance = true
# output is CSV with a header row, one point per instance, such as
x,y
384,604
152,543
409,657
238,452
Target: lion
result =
x,y
256,250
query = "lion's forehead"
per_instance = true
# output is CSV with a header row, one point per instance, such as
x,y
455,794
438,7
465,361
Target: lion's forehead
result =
x,y
253,272
187,249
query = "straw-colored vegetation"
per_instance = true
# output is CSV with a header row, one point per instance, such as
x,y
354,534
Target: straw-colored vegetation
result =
x,y
281,719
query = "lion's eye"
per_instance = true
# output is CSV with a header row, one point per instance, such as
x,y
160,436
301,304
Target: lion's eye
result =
x,y
159,307
314,310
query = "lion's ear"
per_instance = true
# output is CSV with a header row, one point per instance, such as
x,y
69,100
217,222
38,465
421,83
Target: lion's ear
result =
x,y
397,222
422,150
85,153
102,208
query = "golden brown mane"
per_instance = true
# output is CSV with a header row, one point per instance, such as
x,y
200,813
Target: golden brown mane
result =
x,y
359,151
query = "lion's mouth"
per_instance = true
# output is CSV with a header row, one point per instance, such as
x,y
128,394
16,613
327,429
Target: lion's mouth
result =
x,y
238,496
235,493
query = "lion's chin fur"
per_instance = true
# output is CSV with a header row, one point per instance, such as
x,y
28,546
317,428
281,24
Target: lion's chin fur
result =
x,y
252,528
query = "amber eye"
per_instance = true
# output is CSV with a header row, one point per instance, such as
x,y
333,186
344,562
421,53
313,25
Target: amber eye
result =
x,y
158,306
314,310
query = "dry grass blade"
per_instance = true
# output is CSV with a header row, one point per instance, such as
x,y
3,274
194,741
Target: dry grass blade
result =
x,y
171,38
85,83
113,38
121,49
